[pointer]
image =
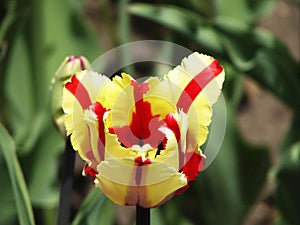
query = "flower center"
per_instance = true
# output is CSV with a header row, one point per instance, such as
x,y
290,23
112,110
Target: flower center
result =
x,y
144,126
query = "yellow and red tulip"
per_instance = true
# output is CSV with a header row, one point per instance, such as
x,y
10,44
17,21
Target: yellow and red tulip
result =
x,y
142,141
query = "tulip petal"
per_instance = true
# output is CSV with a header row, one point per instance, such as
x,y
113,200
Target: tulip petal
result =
x,y
132,118
148,191
81,122
160,96
195,164
113,148
120,100
200,79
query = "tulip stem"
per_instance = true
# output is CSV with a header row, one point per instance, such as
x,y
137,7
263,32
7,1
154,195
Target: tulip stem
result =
x,y
142,216
64,209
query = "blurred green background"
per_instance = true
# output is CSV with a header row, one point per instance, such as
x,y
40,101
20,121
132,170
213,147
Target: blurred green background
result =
x,y
255,179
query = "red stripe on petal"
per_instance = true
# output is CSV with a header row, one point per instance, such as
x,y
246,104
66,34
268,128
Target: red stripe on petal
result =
x,y
144,126
91,158
142,161
192,168
99,111
164,143
89,171
197,84
125,136
138,159
79,92
173,125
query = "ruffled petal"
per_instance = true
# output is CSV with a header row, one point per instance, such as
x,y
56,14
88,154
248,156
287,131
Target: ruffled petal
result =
x,y
120,100
113,148
81,116
196,73
194,165
200,79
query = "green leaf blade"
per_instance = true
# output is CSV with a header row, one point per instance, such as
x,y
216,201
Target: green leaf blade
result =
x,y
22,199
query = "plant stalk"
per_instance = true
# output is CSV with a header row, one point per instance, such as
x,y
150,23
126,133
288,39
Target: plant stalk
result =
x,y
142,216
64,209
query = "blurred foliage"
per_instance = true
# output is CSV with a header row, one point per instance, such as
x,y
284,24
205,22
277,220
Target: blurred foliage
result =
x,y
23,204
228,29
35,36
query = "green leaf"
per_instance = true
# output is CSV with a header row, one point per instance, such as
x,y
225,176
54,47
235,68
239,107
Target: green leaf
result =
x,y
288,186
171,213
156,216
8,213
233,9
51,30
276,69
241,51
125,33
194,26
102,214
176,18
19,94
293,135
8,27
232,25
209,37
87,206
225,191
95,210
234,85
21,195
45,157
67,32
8,21
288,176
281,221
249,11
260,8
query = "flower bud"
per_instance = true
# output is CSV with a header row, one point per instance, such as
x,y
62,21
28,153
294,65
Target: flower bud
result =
x,y
69,66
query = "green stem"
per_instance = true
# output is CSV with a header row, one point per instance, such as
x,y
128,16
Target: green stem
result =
x,y
142,216
64,210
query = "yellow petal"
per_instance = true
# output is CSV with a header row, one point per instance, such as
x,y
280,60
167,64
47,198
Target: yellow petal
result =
x,y
84,131
149,174
120,100
148,195
199,118
160,97
169,156
199,114
192,66
113,149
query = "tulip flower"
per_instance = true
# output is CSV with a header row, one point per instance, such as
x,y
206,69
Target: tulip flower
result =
x,y
70,66
141,141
